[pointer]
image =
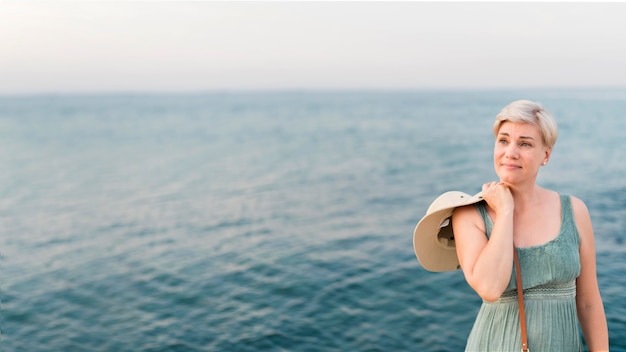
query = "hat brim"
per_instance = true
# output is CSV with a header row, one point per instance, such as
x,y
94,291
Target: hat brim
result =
x,y
433,238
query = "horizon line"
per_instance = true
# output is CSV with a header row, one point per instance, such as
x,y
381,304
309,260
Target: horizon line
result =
x,y
260,91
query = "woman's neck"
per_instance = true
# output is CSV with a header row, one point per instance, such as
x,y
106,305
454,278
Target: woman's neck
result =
x,y
525,196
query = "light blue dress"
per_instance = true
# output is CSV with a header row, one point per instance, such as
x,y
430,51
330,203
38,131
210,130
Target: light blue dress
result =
x,y
549,273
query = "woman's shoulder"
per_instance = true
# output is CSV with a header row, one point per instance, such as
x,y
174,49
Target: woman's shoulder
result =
x,y
578,205
581,213
468,214
577,202
582,219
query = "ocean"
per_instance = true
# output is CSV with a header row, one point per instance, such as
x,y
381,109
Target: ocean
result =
x,y
268,221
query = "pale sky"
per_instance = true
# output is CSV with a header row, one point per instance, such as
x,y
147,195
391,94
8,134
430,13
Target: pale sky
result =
x,y
103,46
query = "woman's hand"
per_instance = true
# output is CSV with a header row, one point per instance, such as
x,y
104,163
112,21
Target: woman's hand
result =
x,y
499,197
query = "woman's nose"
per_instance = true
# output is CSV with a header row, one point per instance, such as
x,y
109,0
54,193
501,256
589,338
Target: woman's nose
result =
x,y
512,151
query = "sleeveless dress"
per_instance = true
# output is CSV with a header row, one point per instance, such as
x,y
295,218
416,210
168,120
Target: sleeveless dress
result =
x,y
549,273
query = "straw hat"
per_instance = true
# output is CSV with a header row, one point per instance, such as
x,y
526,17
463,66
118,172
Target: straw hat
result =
x,y
433,239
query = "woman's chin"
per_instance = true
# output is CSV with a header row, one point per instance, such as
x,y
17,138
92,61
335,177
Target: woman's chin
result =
x,y
507,180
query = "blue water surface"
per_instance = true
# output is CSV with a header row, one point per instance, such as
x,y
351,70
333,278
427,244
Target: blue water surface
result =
x,y
267,221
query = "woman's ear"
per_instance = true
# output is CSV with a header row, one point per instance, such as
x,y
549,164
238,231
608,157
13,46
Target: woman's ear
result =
x,y
547,156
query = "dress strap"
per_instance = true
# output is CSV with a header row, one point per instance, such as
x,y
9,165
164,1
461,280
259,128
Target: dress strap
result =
x,y
568,222
486,218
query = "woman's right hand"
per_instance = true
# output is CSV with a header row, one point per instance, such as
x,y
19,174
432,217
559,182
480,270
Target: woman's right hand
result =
x,y
499,197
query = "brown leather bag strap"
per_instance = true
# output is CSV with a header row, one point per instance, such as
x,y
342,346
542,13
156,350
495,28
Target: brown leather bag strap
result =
x,y
520,301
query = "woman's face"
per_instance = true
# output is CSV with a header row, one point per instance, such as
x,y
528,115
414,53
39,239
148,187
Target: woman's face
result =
x,y
519,152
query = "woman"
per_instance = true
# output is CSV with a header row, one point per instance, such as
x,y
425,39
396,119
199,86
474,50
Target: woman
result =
x,y
553,236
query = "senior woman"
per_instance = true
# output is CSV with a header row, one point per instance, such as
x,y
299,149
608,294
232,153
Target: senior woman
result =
x,y
553,237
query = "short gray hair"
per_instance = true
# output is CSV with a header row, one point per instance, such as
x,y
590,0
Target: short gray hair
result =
x,y
526,111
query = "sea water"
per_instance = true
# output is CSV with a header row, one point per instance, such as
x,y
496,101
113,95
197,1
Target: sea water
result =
x,y
277,221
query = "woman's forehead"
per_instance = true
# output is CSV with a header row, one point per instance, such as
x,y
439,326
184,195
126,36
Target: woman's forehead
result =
x,y
519,129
